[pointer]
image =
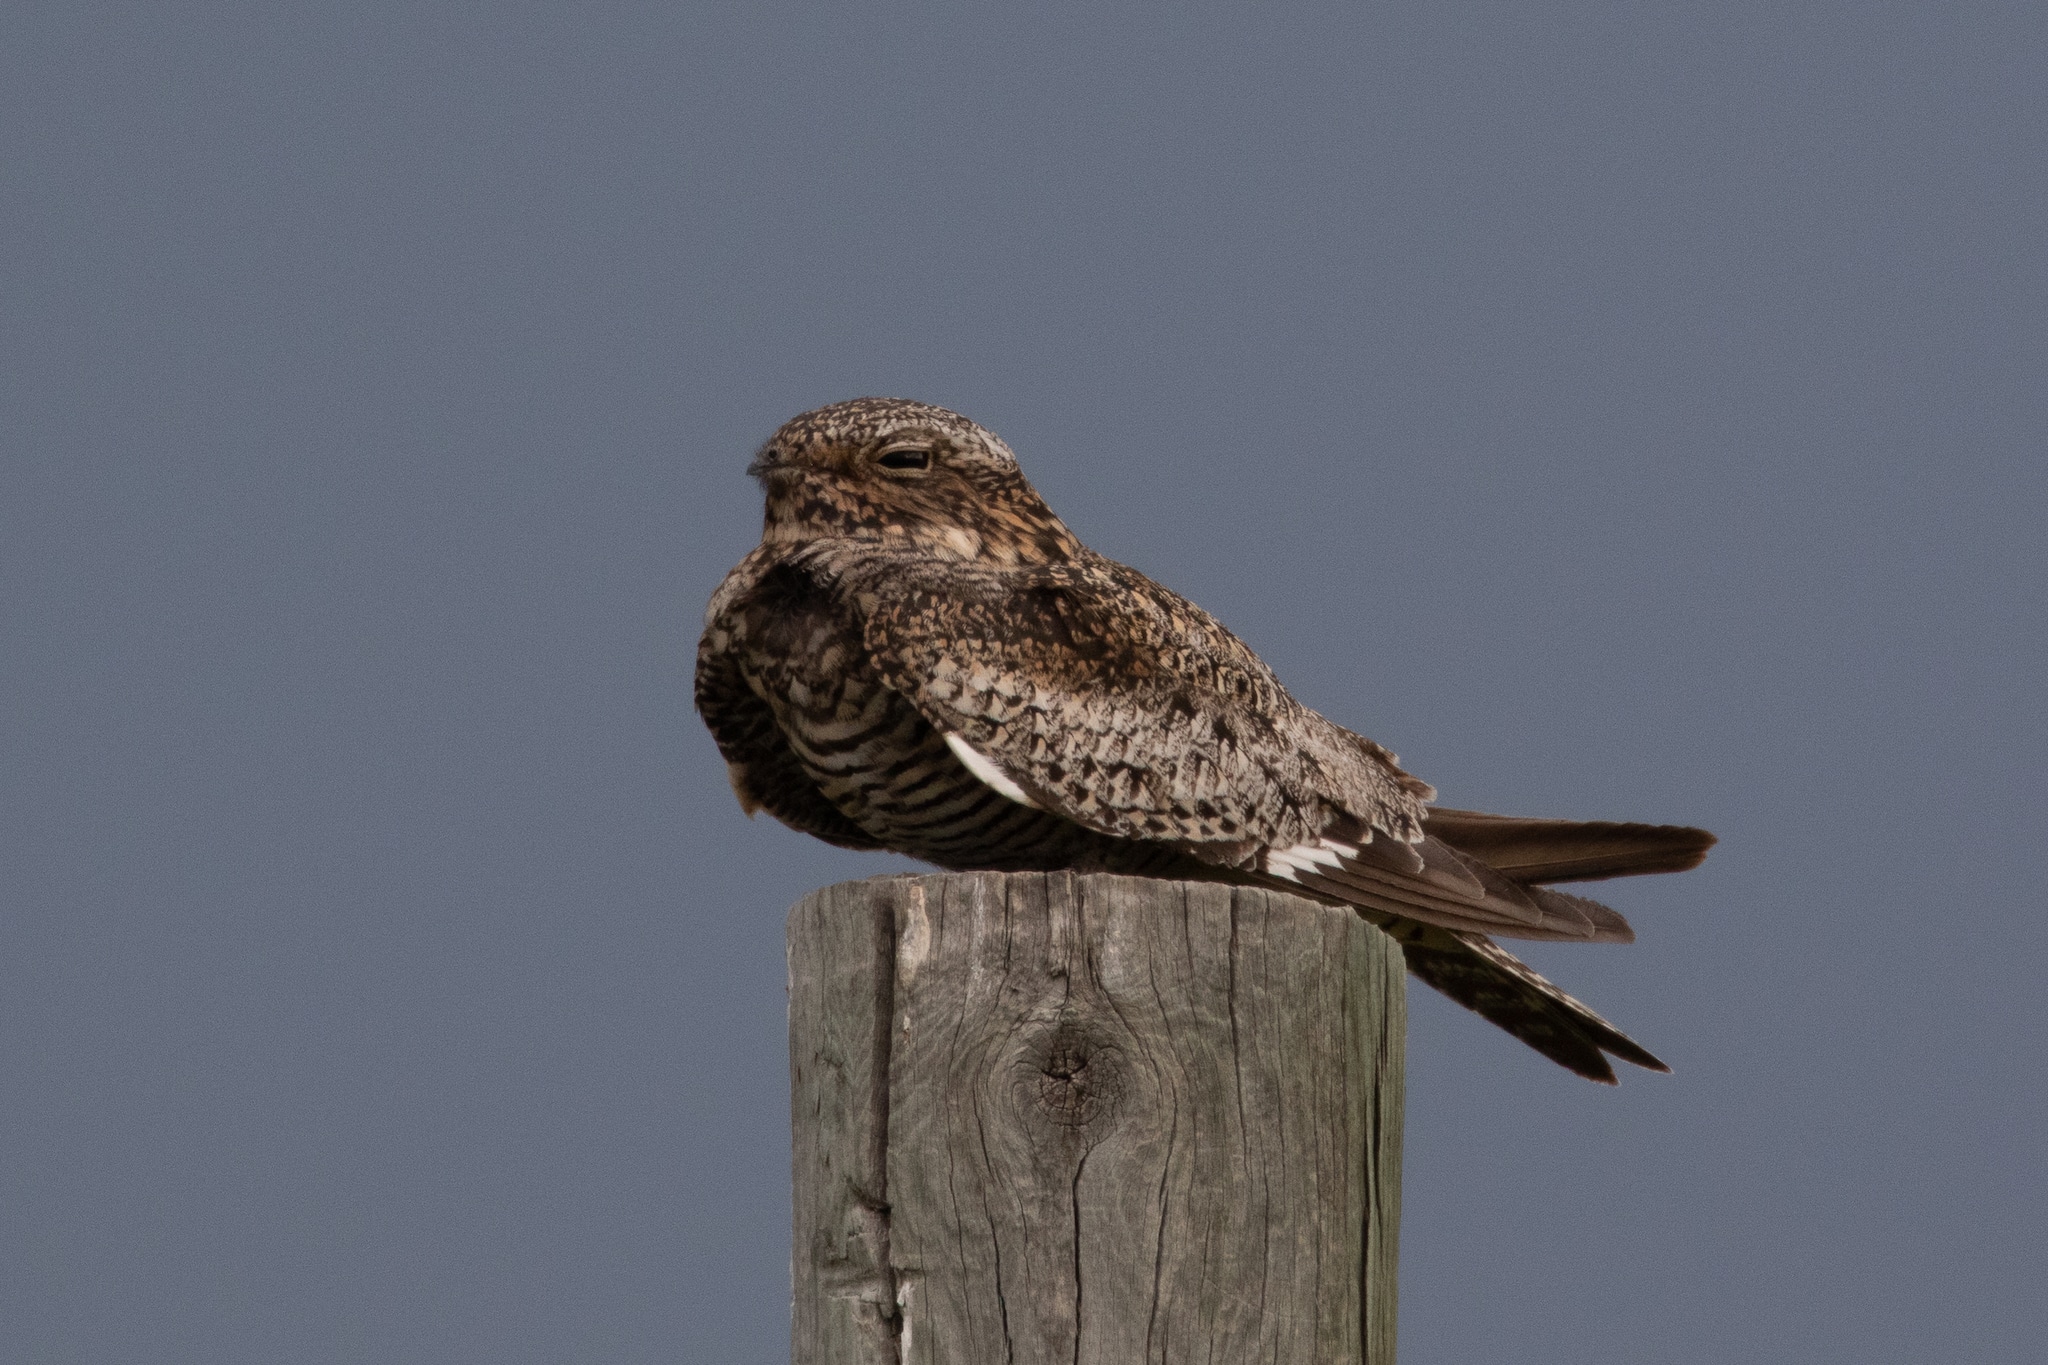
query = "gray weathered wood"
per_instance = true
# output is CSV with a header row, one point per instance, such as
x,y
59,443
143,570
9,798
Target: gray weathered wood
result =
x,y
1094,1120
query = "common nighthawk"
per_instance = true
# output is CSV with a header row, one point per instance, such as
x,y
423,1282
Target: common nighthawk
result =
x,y
919,656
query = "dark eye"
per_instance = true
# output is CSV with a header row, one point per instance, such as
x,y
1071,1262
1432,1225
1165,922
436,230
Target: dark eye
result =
x,y
905,459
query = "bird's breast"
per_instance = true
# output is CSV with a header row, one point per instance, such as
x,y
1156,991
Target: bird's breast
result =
x,y
877,759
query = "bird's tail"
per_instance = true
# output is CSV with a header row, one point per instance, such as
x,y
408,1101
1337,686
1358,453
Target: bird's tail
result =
x,y
1498,986
1536,852
1475,876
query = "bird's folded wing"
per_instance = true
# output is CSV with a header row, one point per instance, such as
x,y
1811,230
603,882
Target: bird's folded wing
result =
x,y
1103,697
1090,691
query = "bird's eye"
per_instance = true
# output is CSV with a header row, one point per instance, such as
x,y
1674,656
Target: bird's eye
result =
x,y
905,459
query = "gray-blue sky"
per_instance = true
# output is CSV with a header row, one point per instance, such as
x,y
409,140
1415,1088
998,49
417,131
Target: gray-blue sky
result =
x,y
1619,410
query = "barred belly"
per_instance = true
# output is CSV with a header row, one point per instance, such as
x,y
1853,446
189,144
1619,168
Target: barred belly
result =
x,y
890,772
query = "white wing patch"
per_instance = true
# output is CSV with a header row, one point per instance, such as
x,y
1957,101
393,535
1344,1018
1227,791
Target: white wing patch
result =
x,y
1287,862
988,772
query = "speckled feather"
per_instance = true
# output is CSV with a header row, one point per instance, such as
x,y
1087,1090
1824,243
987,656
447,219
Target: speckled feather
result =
x,y
920,656
1121,705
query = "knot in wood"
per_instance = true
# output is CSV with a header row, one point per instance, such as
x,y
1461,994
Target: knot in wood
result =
x,y
1074,1077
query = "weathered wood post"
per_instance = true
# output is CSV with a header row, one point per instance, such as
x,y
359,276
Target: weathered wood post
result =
x,y
1098,1120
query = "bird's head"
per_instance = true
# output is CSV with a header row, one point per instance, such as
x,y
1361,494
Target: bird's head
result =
x,y
891,470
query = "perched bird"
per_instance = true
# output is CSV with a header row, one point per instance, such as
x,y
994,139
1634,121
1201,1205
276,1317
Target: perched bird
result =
x,y
919,656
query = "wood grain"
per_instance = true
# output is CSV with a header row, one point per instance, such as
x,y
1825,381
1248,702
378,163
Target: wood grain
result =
x,y
1090,1119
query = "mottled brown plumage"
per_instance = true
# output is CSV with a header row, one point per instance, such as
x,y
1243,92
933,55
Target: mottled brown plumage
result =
x,y
919,656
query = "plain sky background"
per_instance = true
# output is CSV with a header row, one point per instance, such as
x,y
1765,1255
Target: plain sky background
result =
x,y
1620,410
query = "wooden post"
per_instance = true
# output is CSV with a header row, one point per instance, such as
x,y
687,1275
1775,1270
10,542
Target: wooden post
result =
x,y
1095,1120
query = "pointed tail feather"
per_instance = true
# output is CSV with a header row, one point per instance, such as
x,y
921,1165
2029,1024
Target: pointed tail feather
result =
x,y
1531,851
1493,983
